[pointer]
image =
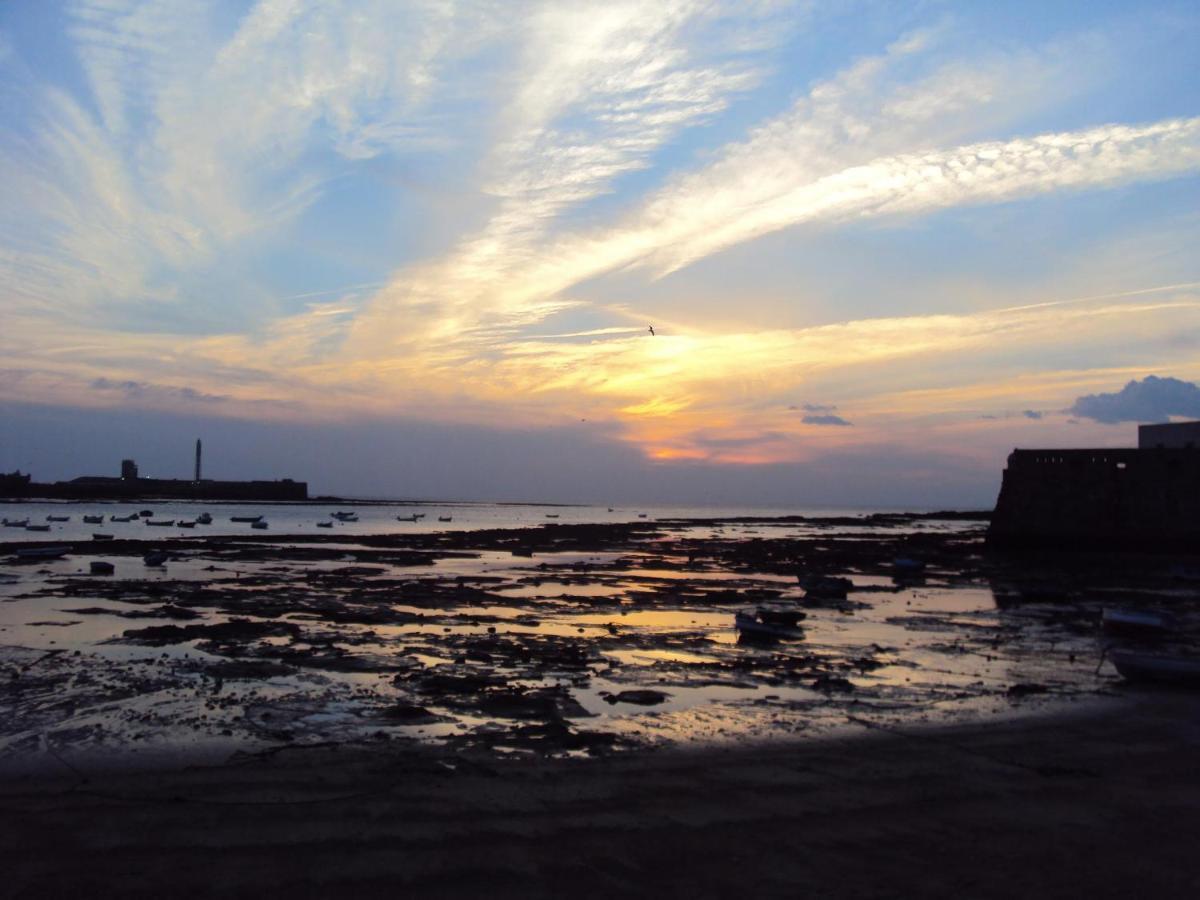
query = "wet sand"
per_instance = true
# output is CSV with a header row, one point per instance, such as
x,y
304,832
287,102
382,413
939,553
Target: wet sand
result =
x,y
1098,804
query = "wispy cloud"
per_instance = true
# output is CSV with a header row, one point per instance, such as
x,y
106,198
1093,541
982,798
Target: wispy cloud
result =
x,y
553,160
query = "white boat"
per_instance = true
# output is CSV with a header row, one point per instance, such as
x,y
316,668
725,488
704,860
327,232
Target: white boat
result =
x,y
1138,623
769,622
1161,668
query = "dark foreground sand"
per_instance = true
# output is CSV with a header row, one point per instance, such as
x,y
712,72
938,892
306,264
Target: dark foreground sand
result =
x,y
1104,804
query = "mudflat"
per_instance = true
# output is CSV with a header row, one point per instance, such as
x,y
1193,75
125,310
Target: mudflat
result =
x,y
1102,802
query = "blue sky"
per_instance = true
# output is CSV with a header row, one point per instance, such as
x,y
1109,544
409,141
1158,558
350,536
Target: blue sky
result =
x,y
454,221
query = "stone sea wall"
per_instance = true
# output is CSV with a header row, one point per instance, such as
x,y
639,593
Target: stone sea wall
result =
x,y
1138,499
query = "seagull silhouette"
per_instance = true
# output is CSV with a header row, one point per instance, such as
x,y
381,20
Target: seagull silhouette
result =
x,y
651,330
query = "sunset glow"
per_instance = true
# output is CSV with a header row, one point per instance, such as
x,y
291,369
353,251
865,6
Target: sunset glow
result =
x,y
924,233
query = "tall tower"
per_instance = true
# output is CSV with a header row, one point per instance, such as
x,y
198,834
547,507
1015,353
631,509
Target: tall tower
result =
x,y
197,459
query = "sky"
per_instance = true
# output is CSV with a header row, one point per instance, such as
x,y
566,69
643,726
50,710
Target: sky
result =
x,y
416,249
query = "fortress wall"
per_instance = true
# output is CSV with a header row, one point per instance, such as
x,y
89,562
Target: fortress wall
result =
x,y
1138,499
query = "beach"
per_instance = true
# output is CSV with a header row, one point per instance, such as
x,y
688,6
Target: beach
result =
x,y
568,708
1098,804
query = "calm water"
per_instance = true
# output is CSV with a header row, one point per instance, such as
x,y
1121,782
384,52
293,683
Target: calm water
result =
x,y
373,518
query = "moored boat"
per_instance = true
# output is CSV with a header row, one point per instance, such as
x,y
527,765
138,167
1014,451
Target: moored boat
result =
x,y
260,524
94,520
752,623
101,537
37,527
128,518
244,518
100,567
324,524
1159,668
58,518
185,524
43,552
445,518
204,519
155,558
161,523
906,565
1138,623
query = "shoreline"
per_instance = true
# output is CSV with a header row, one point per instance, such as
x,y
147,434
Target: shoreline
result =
x,y
1085,804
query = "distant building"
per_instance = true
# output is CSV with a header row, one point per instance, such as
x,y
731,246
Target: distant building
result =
x,y
1146,498
1171,435
132,487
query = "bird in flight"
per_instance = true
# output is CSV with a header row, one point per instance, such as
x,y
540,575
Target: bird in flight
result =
x,y
651,330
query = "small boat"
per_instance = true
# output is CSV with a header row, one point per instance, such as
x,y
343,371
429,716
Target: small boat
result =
x,y
445,518
128,518
260,525
43,552
161,523
418,515
412,518
58,518
551,515
101,537
146,513
610,509
825,587
16,523
100,567
779,614
204,519
182,524
95,520
155,558
753,624
1138,623
904,565
641,515
244,518
345,516
1160,668
37,527
324,524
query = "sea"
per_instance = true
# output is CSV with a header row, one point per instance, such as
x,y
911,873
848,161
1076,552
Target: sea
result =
x,y
373,517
